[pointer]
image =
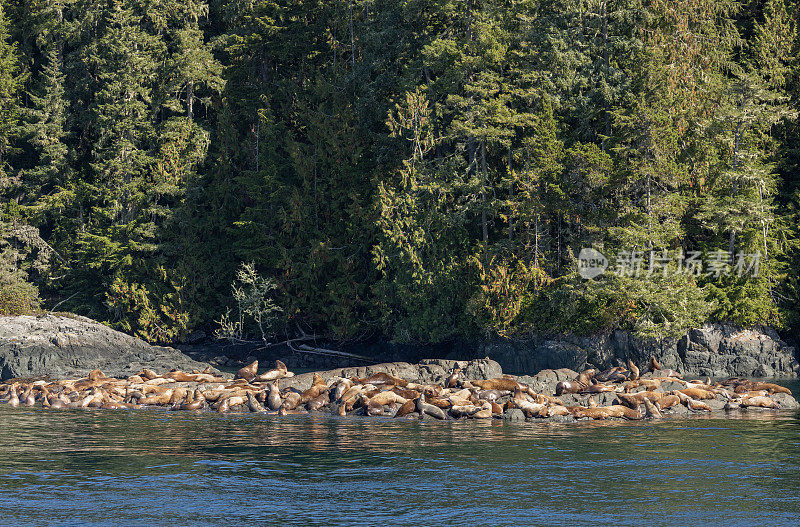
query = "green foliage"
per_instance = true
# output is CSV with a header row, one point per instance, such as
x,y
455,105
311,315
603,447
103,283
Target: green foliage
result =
x,y
424,170
21,251
254,304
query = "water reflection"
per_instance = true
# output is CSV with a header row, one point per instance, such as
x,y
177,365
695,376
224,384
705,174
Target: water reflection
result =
x,y
156,467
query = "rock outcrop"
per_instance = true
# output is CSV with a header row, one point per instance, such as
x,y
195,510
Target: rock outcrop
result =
x,y
428,371
714,350
62,347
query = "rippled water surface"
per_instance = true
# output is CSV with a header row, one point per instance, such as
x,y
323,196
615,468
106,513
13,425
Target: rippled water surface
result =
x,y
176,468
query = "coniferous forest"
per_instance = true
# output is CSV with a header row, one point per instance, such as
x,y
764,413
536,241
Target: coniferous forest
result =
x,y
420,170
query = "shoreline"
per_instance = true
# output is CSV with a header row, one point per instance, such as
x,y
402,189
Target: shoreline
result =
x,y
434,389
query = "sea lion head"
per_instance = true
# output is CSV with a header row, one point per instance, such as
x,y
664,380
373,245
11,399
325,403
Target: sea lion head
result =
x,y
248,372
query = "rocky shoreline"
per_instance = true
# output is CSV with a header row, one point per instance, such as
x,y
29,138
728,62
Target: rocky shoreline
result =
x,y
433,389
72,346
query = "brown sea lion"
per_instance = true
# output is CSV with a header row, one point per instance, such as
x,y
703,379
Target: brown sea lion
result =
x,y
668,401
387,397
406,408
454,378
653,365
317,387
651,410
616,374
383,378
597,388
148,374
279,372
568,387
633,369
253,405
373,409
634,400
770,387
319,402
274,400
760,402
290,401
248,372
692,404
96,375
340,388
28,397
528,408
424,408
498,383
697,393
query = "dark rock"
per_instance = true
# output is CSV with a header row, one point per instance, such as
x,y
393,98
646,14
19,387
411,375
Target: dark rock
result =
x,y
63,347
561,419
786,401
427,372
515,414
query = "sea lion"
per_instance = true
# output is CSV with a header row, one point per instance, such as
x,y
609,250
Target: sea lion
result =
x,y
388,397
318,402
528,408
248,372
424,408
651,410
760,402
14,400
697,393
454,378
274,400
615,374
634,400
568,387
668,401
341,387
498,383
373,409
382,378
279,372
692,404
317,387
597,388
28,397
406,408
253,405
770,387
633,369
96,375
290,401
148,374
605,412
491,395
653,365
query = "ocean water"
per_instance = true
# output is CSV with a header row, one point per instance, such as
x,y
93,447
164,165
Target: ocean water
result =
x,y
153,467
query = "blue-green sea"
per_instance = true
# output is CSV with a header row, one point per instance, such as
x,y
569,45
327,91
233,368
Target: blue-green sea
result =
x,y
152,468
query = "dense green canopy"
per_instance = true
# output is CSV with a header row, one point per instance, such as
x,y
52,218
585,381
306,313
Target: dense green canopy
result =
x,y
419,170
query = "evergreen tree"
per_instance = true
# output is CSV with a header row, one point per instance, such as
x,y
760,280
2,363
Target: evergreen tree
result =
x,y
10,83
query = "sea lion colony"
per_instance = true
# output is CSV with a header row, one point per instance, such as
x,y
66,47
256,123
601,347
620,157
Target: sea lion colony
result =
x,y
634,397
